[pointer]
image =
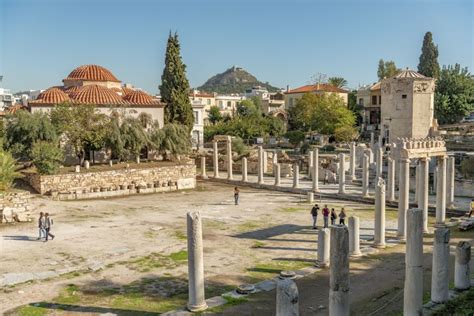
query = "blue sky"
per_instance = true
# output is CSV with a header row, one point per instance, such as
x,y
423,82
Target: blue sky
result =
x,y
283,42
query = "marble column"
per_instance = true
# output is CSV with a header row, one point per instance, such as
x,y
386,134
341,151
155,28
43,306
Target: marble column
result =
x,y
372,140
403,196
424,188
379,229
203,168
462,272
365,175
310,197
229,159
310,163
413,290
379,161
353,161
417,184
274,161
441,191
287,298
244,169
323,247
435,178
260,165
391,179
440,268
277,174
339,272
196,300
296,175
315,172
354,235
450,173
215,161
265,161
342,174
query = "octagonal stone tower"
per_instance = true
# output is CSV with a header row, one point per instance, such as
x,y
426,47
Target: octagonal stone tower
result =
x,y
408,106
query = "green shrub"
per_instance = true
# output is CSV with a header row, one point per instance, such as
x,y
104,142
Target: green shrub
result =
x,y
467,167
345,133
238,146
328,148
295,137
7,170
47,157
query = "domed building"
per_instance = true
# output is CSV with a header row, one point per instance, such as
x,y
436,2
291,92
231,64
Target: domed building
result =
x,y
96,85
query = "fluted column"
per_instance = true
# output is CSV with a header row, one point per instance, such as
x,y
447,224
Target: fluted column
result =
x,y
342,174
315,173
413,290
441,191
424,188
403,197
203,167
391,179
229,159
379,229
450,172
215,161
196,299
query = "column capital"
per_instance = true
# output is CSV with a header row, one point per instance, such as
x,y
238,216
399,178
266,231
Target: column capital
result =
x,y
425,159
405,160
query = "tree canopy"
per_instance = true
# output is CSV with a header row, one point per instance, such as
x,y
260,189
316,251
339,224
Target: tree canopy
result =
x,y
339,82
387,69
454,97
174,86
428,65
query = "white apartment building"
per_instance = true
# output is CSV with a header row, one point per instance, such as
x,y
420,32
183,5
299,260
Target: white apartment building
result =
x,y
228,103
6,99
197,132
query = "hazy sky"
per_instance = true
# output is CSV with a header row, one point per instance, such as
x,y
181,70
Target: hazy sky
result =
x,y
283,42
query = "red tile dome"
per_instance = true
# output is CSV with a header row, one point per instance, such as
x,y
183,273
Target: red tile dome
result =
x,y
91,73
94,94
52,96
139,97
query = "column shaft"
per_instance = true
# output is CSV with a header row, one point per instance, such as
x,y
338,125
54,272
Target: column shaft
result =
x,y
440,269
353,161
339,272
423,195
215,161
323,247
441,191
244,169
403,196
354,233
365,175
203,167
342,174
196,300
379,229
287,298
391,179
229,159
277,174
296,176
462,272
315,173
260,165
450,182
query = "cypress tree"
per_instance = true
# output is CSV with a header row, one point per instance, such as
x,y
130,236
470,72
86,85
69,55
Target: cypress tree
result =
x,y
428,65
174,86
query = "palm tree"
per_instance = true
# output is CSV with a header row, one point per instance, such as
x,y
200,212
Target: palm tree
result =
x,y
7,170
337,82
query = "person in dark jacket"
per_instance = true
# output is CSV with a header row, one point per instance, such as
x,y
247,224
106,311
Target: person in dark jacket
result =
x,y
333,217
314,213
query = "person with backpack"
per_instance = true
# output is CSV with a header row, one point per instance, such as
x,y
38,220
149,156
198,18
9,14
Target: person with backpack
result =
x,y
41,223
48,222
333,217
326,216
314,213
342,217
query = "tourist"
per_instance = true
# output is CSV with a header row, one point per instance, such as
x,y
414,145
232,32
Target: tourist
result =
x,y
236,195
471,208
41,226
333,217
314,213
48,222
326,177
325,216
342,217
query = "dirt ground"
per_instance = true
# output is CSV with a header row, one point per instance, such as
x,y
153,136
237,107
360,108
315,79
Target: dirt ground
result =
x,y
128,255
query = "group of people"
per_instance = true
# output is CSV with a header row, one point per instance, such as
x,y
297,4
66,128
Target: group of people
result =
x,y
328,214
44,224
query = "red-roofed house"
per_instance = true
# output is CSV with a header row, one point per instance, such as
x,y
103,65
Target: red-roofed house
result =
x,y
292,96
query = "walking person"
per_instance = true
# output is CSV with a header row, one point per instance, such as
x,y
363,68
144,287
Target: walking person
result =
x,y
333,217
314,213
326,177
48,222
325,216
236,195
342,217
41,222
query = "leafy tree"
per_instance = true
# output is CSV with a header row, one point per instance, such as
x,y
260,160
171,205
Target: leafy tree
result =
x,y
83,127
454,97
247,108
355,107
114,140
467,167
295,137
145,118
176,141
174,86
7,170
239,146
23,129
387,69
47,157
337,82
133,136
428,65
214,115
345,133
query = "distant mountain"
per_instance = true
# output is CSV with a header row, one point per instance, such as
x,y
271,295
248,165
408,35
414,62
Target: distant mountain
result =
x,y
234,80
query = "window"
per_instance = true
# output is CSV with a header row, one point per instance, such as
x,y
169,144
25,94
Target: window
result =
x,y
380,99
208,101
361,102
221,104
229,104
196,117
404,96
374,100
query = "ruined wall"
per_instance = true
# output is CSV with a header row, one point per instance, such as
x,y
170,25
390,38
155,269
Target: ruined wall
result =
x,y
115,182
14,203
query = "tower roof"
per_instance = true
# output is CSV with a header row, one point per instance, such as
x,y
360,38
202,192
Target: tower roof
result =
x,y
408,73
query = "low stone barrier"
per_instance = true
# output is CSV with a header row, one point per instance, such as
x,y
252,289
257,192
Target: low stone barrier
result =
x,y
13,203
116,182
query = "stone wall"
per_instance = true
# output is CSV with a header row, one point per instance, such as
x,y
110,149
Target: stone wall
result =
x,y
117,182
13,203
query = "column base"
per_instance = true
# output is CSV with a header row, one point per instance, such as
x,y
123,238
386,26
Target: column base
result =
x,y
204,177
355,254
379,246
319,264
402,239
440,225
197,308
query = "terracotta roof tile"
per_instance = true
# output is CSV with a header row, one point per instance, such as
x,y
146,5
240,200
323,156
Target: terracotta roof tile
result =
x,y
95,94
92,73
140,97
324,87
51,96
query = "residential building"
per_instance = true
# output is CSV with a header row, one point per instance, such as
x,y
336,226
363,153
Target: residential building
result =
x,y
228,103
275,105
370,99
257,91
6,99
407,106
197,132
292,96
208,100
